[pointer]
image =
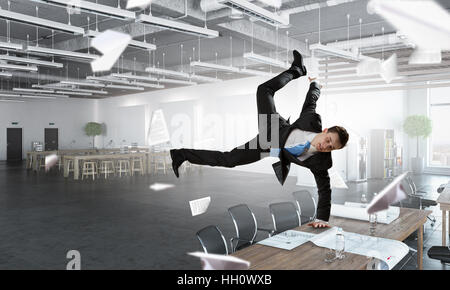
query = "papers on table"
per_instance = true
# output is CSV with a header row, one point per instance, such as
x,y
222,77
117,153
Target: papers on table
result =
x,y
392,193
199,206
50,161
358,211
389,252
220,262
111,44
160,186
158,129
287,240
138,3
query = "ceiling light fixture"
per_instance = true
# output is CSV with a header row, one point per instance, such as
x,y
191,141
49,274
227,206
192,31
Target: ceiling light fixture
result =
x,y
83,84
135,77
266,60
125,87
31,61
133,43
205,79
33,91
215,66
255,11
176,26
165,72
5,74
55,87
62,53
319,49
41,22
19,67
94,8
147,85
10,45
12,101
108,80
177,82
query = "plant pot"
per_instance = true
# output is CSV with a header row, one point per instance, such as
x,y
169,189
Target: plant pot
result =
x,y
417,165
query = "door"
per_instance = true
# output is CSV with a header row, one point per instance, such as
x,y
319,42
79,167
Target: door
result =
x,y
13,144
51,139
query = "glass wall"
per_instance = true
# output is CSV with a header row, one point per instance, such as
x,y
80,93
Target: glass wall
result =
x,y
439,141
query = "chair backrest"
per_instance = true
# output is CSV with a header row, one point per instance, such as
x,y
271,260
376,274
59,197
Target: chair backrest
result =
x,y
212,240
284,216
306,205
244,222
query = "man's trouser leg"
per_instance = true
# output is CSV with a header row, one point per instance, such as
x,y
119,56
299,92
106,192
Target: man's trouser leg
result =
x,y
238,156
266,104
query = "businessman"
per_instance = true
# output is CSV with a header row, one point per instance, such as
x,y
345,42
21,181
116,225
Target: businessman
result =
x,y
303,142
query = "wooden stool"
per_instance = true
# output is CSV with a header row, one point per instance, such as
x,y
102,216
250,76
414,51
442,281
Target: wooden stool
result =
x,y
89,168
70,165
107,167
160,161
139,167
123,166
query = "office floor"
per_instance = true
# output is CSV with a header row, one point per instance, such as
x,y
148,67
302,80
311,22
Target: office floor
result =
x,y
123,224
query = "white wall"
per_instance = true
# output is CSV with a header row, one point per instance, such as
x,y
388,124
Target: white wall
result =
x,y
68,115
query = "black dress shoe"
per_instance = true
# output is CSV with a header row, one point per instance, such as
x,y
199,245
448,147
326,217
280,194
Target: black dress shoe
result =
x,y
297,67
177,160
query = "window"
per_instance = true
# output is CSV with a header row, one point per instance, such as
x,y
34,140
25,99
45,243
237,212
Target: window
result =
x,y
439,141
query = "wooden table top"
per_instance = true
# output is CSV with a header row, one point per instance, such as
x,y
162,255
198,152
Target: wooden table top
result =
x,y
311,257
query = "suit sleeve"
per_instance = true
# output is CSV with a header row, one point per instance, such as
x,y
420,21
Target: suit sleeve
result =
x,y
309,106
324,190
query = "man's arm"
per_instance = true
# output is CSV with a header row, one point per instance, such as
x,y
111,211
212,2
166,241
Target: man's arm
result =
x,y
309,106
324,190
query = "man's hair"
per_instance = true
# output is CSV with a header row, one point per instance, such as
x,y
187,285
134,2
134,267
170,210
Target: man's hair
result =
x,y
342,133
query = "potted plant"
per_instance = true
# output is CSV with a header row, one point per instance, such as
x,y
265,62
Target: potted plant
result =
x,y
417,126
93,129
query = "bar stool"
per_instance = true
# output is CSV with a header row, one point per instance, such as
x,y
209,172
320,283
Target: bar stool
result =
x,y
89,168
139,167
41,162
107,167
70,165
160,161
123,166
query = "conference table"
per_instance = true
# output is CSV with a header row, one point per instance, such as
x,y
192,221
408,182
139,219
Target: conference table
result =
x,y
444,204
308,256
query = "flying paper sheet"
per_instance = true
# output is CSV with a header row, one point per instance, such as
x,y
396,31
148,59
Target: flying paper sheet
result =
x,y
337,181
50,161
425,56
368,66
111,44
220,262
160,186
199,206
388,69
158,129
425,23
138,3
392,193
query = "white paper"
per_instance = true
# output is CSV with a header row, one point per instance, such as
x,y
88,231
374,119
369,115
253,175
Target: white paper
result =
x,y
388,251
50,161
199,206
220,262
138,3
160,186
368,66
287,240
425,22
358,211
388,69
392,193
425,56
337,181
111,44
158,129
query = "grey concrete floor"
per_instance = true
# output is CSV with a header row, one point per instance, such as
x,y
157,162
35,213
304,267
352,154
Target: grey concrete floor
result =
x,y
120,223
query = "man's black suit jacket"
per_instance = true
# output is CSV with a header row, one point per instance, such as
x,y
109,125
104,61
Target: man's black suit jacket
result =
x,y
319,163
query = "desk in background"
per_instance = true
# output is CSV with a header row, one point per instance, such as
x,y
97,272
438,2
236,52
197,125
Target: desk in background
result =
x,y
311,257
444,204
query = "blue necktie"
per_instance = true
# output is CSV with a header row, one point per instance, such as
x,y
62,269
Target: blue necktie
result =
x,y
296,150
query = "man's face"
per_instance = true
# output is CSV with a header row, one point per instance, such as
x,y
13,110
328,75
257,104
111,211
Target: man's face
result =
x,y
326,142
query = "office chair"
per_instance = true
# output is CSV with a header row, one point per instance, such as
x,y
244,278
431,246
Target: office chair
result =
x,y
212,240
416,200
284,216
246,227
306,205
